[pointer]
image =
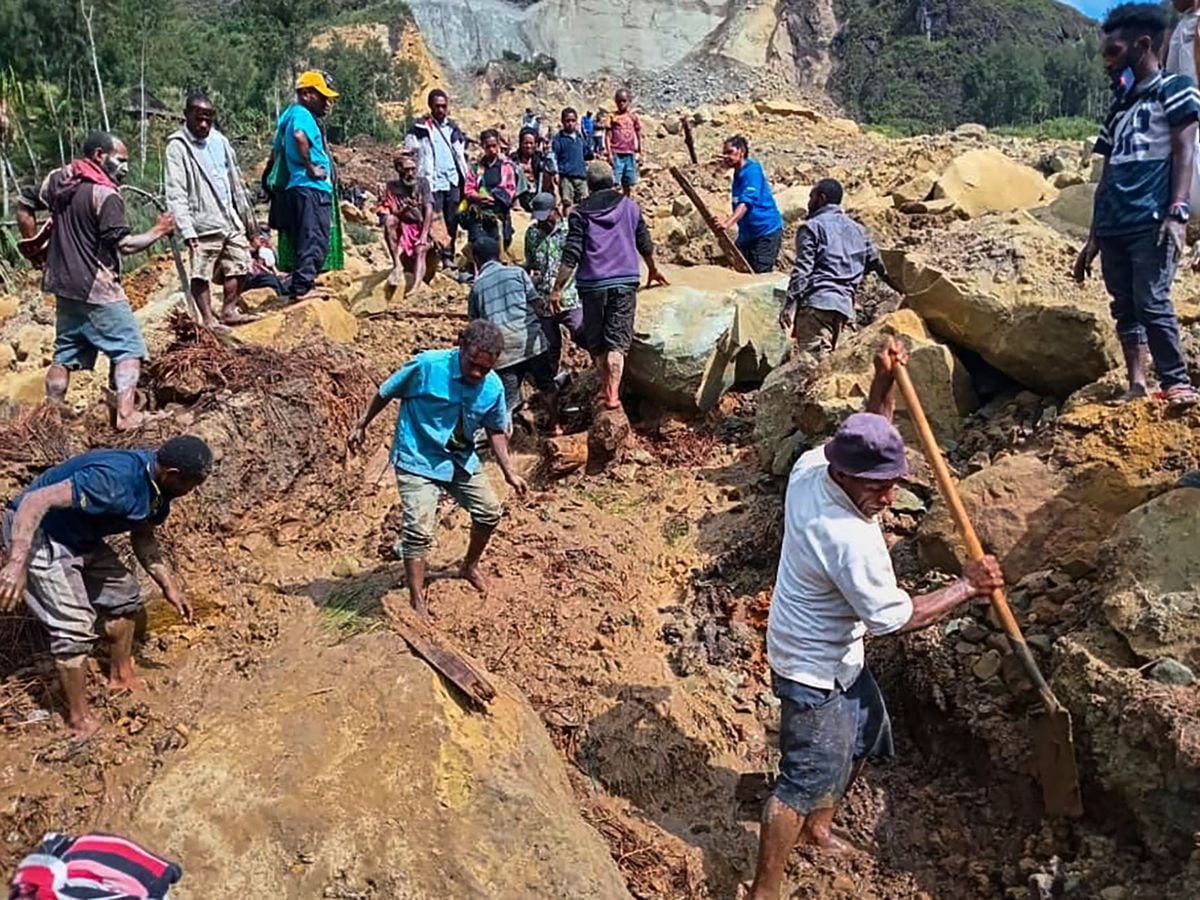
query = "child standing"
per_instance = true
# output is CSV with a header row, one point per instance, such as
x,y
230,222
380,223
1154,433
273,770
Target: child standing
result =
x,y
625,142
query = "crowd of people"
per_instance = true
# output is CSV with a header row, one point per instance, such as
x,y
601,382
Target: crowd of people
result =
x,y
580,272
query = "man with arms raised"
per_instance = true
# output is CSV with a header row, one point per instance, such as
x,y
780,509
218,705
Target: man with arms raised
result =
x,y
835,584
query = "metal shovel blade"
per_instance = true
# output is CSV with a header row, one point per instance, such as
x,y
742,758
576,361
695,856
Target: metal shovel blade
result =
x,y
1055,751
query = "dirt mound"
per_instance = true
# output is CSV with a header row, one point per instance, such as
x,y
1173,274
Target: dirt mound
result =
x,y
353,767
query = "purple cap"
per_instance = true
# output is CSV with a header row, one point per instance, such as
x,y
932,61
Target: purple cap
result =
x,y
867,446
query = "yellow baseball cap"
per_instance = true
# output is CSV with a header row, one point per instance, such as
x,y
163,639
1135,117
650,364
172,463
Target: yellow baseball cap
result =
x,y
317,81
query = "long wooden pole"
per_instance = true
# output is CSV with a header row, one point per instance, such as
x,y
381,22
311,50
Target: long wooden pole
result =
x,y
728,247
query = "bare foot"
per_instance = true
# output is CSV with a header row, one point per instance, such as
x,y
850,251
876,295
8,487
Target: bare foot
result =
x,y
422,610
556,431
396,277
120,682
475,577
236,317
419,288
314,294
84,728
136,420
827,843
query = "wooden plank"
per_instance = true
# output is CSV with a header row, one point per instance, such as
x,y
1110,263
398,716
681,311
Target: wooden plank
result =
x,y
431,646
688,139
728,247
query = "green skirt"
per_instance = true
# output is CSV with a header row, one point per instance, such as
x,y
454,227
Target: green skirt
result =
x,y
335,259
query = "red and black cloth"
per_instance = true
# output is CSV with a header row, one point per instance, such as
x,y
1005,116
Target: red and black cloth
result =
x,y
92,867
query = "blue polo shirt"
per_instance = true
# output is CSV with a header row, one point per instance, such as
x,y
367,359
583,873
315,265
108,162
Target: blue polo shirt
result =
x,y
570,153
112,492
297,118
439,414
762,216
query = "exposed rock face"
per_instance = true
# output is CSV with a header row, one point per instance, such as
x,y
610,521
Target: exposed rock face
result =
x,y
394,784
1051,344
709,329
1152,596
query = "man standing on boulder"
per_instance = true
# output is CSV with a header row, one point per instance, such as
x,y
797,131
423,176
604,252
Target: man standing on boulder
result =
x,y
309,196
445,397
211,208
72,581
606,234
833,255
760,226
441,149
1139,221
835,584
88,236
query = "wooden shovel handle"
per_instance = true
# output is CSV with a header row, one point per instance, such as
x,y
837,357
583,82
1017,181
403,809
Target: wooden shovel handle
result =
x,y
933,454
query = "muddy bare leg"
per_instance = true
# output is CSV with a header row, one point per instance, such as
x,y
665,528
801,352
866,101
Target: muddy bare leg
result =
x,y
203,297
230,314
414,573
120,636
480,536
780,830
57,379
613,370
72,674
125,380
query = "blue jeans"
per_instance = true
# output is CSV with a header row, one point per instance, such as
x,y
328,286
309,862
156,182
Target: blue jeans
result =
x,y
822,733
1138,271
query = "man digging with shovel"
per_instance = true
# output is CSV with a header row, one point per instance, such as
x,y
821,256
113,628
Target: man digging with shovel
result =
x,y
835,584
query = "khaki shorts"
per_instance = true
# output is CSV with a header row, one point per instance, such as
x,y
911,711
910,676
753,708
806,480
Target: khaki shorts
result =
x,y
573,190
219,257
419,501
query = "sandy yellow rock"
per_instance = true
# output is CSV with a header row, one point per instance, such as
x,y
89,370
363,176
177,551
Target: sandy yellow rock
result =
x,y
985,180
295,324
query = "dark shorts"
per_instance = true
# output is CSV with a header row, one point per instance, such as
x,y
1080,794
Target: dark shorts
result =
x,y
608,317
761,252
538,369
822,733
83,330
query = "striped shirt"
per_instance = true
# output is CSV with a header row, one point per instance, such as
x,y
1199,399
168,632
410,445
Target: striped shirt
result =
x,y
1136,140
505,296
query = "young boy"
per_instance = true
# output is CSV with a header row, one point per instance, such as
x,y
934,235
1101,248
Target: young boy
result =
x,y
571,152
625,142
263,273
1139,222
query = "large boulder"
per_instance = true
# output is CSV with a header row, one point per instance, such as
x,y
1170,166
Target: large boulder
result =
x,y
295,324
1050,343
1152,590
798,405
1070,213
793,202
711,328
1023,512
348,765
985,180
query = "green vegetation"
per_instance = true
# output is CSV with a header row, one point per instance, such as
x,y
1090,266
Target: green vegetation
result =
x,y
1065,129
934,65
244,53
350,610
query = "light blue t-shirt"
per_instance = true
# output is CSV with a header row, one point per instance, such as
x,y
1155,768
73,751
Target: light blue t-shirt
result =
x,y
297,118
440,412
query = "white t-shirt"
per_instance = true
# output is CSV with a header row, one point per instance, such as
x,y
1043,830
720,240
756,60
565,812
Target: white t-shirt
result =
x,y
835,582
267,255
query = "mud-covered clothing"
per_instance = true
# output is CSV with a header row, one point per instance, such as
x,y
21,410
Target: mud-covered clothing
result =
x,y
1136,143
823,732
88,213
835,582
419,504
606,234
72,592
833,255
112,492
440,411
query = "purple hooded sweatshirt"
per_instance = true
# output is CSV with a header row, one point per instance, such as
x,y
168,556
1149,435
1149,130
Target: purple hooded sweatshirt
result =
x,y
606,234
